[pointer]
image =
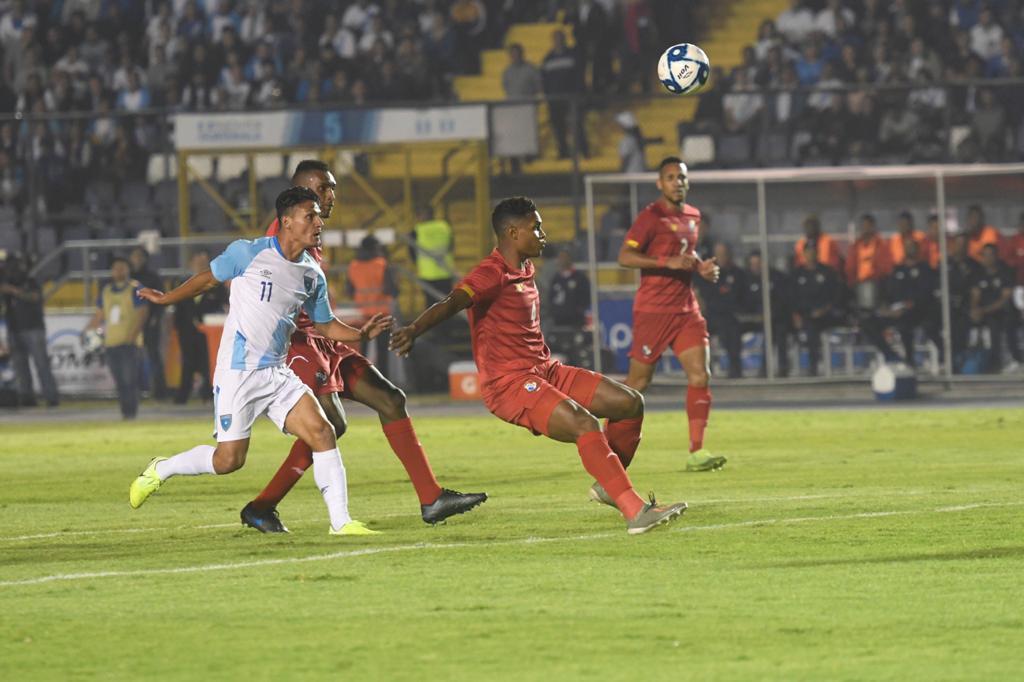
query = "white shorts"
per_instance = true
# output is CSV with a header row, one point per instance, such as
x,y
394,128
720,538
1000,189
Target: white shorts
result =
x,y
242,395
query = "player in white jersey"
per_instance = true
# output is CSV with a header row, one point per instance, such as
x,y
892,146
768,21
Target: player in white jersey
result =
x,y
272,279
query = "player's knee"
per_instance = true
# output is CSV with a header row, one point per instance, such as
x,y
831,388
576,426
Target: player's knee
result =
x,y
584,422
322,436
394,404
634,403
699,379
340,425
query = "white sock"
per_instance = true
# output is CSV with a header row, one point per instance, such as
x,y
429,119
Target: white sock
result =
x,y
329,474
198,460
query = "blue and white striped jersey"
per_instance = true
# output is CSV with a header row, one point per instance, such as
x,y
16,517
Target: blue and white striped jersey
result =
x,y
267,292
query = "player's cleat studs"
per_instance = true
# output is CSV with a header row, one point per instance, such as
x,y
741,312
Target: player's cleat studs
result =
x,y
145,484
354,527
263,520
598,494
653,515
702,460
449,503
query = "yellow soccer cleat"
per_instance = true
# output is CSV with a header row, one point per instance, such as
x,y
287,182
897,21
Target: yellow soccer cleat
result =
x,y
354,527
145,484
702,460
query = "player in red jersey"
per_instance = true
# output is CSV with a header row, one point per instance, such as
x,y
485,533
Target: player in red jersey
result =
x,y
665,311
523,385
334,371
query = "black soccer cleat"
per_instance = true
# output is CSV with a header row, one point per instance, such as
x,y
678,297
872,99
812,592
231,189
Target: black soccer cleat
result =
x,y
449,503
263,520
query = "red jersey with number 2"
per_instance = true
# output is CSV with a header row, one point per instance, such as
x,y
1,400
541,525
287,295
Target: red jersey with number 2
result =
x,y
504,318
302,322
658,232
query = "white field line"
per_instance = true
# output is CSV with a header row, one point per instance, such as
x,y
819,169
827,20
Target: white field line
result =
x,y
547,510
206,568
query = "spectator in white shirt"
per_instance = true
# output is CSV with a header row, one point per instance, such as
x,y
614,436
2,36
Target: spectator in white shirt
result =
x,y
375,32
826,19
796,22
742,104
986,36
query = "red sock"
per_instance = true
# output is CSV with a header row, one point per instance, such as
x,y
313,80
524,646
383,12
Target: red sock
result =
x,y
402,437
624,437
601,463
300,458
698,405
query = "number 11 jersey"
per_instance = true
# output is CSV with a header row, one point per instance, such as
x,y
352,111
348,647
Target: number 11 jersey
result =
x,y
267,292
657,232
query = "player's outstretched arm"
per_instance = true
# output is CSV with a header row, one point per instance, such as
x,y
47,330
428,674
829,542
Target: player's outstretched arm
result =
x,y
402,339
192,287
339,331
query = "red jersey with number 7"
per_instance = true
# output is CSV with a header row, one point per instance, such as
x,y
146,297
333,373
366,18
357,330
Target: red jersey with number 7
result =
x,y
659,232
302,322
504,318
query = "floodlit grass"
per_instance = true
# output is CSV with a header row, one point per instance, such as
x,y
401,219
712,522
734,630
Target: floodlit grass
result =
x,y
835,546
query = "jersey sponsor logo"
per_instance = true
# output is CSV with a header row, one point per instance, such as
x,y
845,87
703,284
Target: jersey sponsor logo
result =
x,y
531,386
225,422
266,273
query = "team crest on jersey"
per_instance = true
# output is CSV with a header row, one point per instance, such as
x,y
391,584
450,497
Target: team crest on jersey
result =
x,y
321,377
531,386
520,287
225,422
646,350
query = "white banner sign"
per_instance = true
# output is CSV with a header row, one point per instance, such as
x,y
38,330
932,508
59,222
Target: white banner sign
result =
x,y
316,128
77,373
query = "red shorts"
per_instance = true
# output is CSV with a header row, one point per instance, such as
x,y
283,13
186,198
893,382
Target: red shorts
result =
x,y
326,366
654,332
529,397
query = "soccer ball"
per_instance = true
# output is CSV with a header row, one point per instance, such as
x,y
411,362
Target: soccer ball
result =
x,y
92,340
683,69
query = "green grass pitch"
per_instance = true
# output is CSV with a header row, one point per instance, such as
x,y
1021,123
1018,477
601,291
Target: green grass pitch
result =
x,y
869,545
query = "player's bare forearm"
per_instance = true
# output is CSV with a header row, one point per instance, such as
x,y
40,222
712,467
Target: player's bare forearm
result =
x,y
630,257
339,331
192,287
402,339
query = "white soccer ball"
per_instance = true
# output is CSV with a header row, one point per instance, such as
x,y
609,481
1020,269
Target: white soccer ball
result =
x,y
684,69
92,340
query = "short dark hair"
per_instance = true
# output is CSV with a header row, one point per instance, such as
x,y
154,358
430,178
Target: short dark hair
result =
x,y
308,165
291,197
509,209
667,161
869,217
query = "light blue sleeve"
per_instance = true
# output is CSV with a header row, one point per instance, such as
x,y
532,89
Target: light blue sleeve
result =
x,y
236,258
317,306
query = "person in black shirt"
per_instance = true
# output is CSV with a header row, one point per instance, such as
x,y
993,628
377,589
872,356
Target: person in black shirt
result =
x,y
26,331
963,271
752,319
188,315
722,304
909,303
152,331
990,307
561,75
568,302
817,302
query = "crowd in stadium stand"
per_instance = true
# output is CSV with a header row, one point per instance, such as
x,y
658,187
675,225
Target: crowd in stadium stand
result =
x,y
838,81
